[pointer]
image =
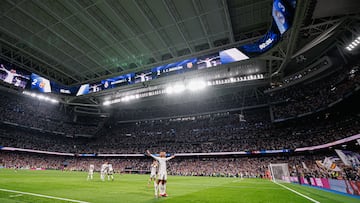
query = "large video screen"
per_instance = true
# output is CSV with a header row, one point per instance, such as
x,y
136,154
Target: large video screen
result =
x,y
143,76
40,84
208,61
118,81
13,76
62,89
174,68
263,44
232,55
282,13
84,89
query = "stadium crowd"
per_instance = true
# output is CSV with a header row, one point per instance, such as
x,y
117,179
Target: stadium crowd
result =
x,y
32,113
209,134
247,167
301,99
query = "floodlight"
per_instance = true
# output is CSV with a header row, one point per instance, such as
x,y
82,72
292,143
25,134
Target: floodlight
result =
x,y
169,90
53,101
178,88
196,85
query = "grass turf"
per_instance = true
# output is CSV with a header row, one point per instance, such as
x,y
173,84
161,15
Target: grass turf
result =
x,y
134,188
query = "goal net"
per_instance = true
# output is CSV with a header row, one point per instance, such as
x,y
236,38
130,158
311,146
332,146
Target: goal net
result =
x,y
280,172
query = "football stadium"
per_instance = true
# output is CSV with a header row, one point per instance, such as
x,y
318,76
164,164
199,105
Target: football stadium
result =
x,y
140,101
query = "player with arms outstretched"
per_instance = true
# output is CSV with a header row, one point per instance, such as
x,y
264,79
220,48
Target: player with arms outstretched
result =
x,y
162,173
153,170
91,172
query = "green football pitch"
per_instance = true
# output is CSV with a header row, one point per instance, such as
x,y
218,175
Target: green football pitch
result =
x,y
58,186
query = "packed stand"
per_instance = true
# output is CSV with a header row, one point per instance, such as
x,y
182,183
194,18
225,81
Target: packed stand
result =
x,y
306,98
246,167
40,115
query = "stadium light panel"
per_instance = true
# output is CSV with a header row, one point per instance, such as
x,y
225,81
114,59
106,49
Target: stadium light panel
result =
x,y
169,90
348,48
126,98
106,103
196,85
41,97
179,88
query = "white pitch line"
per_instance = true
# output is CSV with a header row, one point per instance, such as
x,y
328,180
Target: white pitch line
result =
x,y
40,195
298,193
18,195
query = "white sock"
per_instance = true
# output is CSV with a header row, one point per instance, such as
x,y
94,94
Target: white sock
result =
x,y
156,186
164,188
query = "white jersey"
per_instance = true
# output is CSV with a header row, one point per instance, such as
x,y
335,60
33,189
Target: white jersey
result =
x,y
110,168
104,168
153,168
162,163
91,168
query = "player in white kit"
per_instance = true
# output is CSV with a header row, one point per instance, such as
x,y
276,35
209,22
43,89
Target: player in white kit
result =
x,y
91,172
162,173
104,171
153,170
11,74
110,172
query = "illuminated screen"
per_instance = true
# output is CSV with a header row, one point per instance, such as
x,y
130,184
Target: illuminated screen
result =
x,y
15,77
264,43
174,68
118,81
143,76
84,89
208,61
282,14
232,55
40,84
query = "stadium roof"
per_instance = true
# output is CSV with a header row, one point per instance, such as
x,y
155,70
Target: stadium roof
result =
x,y
74,42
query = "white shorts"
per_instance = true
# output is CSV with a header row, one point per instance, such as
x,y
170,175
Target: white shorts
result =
x,y
162,176
152,175
91,172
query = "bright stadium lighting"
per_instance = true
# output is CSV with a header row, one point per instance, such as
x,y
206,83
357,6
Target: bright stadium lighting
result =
x,y
41,97
53,100
179,88
106,103
196,85
126,99
169,90
348,48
